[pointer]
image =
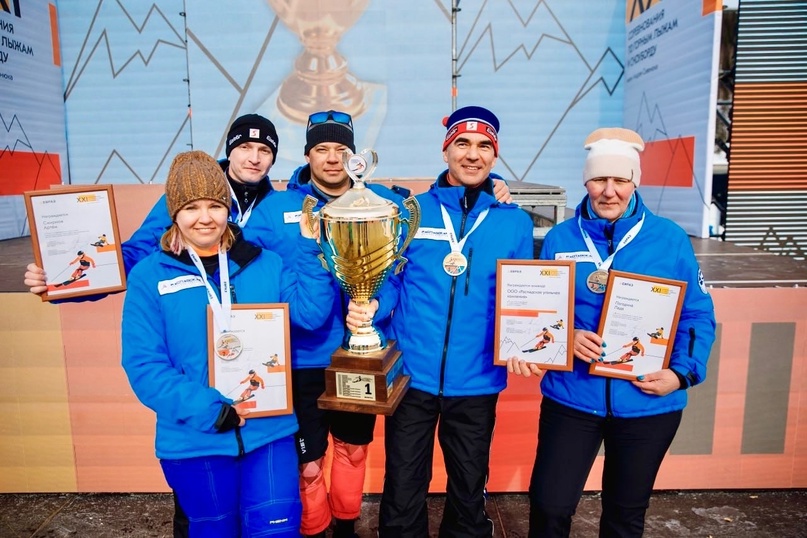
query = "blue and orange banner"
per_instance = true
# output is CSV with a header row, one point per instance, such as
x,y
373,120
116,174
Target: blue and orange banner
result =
x,y
33,143
671,65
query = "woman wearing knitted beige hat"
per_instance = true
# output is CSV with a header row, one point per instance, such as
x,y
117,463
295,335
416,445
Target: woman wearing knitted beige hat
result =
x,y
231,476
636,419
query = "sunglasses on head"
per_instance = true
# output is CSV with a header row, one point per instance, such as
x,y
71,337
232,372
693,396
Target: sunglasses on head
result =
x,y
318,118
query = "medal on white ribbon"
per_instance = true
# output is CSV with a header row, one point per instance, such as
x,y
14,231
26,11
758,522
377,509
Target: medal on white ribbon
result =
x,y
455,263
597,281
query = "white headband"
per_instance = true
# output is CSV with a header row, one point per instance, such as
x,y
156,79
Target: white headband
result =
x,y
613,157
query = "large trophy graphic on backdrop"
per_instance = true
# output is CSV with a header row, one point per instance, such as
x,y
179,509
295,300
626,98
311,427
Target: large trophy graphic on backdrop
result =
x,y
360,233
321,80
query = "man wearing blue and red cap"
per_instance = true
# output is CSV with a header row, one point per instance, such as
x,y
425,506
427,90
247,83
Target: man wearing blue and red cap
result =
x,y
444,302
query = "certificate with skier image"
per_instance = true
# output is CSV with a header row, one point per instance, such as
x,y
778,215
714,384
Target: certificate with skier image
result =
x,y
535,313
74,231
250,362
638,323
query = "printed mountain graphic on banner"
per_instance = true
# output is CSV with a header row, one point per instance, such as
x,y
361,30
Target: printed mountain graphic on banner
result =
x,y
135,44
21,168
537,24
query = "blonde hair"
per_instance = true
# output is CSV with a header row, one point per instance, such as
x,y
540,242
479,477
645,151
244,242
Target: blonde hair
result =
x,y
172,240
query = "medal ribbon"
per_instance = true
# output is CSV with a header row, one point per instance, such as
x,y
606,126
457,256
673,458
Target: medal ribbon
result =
x,y
598,261
456,246
241,219
221,309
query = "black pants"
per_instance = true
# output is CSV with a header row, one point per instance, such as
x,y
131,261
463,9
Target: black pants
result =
x,y
465,429
308,384
181,522
568,442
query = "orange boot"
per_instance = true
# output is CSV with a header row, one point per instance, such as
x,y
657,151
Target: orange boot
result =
x,y
316,510
347,480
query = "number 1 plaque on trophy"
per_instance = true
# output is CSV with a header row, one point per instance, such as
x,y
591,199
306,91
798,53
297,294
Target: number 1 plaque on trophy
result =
x,y
360,234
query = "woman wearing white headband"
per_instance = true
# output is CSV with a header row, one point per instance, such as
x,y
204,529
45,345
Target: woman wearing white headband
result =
x,y
636,419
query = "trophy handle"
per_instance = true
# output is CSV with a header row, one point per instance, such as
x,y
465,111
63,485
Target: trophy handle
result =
x,y
412,224
309,203
308,210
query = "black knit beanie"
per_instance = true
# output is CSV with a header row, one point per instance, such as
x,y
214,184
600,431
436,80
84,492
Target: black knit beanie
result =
x,y
329,131
252,128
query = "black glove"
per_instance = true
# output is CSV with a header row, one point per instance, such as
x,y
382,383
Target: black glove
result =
x,y
228,418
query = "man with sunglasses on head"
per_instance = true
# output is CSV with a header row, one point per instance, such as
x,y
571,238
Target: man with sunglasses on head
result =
x,y
328,135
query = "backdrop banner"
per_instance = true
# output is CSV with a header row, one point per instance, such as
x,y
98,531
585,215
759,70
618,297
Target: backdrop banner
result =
x,y
33,147
671,67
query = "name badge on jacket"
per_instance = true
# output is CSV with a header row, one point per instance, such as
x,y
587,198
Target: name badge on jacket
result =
x,y
579,257
179,283
435,234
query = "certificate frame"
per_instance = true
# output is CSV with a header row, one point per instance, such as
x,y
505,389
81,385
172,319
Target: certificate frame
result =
x,y
251,363
535,297
75,239
636,308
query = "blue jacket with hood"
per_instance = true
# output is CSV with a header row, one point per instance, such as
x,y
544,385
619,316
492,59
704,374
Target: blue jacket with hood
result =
x,y
165,349
313,348
444,324
661,249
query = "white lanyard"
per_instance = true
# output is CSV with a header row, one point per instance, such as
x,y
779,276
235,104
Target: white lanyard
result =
x,y
221,310
241,220
456,246
598,261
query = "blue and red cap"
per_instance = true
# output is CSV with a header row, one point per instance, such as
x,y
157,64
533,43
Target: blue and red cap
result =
x,y
472,119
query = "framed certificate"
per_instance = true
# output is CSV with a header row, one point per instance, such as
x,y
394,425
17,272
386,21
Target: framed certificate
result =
x,y
75,238
535,312
638,324
251,363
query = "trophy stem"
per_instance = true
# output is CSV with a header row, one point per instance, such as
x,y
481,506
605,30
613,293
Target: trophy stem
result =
x,y
320,81
365,339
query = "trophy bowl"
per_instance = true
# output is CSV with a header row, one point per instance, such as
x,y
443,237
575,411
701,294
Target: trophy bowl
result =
x,y
360,233
320,80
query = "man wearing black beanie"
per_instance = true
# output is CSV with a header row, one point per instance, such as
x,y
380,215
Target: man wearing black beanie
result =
x,y
251,150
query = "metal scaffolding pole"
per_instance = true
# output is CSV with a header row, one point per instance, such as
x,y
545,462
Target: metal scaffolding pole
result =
x,y
455,8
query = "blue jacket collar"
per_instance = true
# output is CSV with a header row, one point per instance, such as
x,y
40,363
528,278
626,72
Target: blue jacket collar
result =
x,y
454,198
601,229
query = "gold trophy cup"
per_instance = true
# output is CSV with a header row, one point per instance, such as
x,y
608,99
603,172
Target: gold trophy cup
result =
x,y
321,80
359,236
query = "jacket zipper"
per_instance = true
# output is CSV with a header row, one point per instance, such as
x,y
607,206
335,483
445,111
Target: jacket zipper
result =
x,y
450,313
468,271
609,235
238,438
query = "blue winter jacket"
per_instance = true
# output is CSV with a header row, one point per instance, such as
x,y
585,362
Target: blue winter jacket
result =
x,y
661,249
445,325
165,350
146,238
313,348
